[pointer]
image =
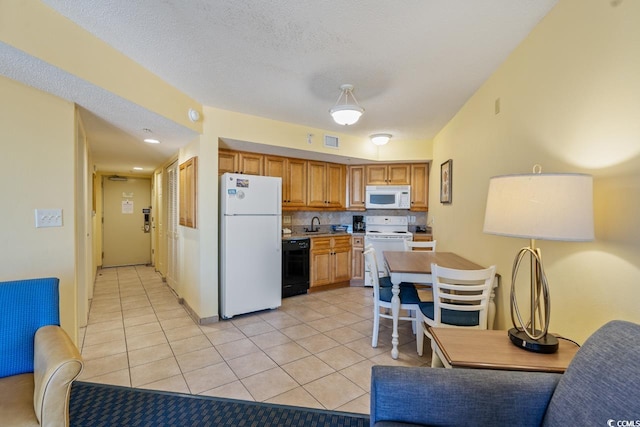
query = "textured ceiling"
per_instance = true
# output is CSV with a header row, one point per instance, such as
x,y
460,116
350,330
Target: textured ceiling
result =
x,y
413,63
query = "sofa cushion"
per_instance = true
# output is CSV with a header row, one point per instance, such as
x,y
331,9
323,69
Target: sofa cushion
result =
x,y
602,383
26,306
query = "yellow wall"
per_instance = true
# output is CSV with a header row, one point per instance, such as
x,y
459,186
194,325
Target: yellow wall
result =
x,y
37,134
245,127
37,30
570,101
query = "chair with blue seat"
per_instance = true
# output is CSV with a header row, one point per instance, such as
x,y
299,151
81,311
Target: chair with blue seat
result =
x,y
38,360
382,298
460,299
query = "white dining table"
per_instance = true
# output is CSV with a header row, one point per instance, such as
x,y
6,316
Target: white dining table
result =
x,y
415,267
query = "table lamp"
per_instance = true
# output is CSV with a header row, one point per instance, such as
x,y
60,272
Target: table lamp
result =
x,y
538,206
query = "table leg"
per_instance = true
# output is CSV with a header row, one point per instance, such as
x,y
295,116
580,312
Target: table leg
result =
x,y
395,312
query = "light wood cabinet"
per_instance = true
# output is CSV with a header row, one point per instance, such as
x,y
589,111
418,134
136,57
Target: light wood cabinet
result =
x,y
388,174
326,185
294,179
357,258
240,162
330,261
356,187
188,178
420,187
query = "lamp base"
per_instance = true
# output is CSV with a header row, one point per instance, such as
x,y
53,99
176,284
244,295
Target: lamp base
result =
x,y
547,344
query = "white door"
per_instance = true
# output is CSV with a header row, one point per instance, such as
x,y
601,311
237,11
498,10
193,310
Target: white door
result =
x,y
125,240
171,225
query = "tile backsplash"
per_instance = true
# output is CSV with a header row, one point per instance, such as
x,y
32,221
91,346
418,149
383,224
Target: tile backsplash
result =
x,y
328,218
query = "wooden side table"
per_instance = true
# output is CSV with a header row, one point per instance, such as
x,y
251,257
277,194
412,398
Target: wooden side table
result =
x,y
490,349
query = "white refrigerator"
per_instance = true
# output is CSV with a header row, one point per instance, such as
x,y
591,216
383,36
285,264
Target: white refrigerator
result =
x,y
250,243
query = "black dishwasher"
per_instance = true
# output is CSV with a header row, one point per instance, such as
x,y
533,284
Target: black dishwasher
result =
x,y
295,267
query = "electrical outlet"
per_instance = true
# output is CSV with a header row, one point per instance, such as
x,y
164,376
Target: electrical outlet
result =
x,y
48,218
286,219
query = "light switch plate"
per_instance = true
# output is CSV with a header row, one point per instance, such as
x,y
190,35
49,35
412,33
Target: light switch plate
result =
x,y
48,218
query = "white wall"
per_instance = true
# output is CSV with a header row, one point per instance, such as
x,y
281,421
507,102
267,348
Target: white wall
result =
x,y
570,101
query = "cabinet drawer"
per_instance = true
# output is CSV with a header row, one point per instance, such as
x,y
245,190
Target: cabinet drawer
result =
x,y
358,241
320,243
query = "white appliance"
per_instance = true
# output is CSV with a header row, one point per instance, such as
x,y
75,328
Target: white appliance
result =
x,y
250,243
385,233
388,197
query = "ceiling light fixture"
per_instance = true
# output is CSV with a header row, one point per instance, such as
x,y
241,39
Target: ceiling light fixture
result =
x,y
151,141
194,115
346,113
380,138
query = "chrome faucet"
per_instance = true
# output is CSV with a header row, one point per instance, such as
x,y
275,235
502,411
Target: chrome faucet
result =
x,y
313,219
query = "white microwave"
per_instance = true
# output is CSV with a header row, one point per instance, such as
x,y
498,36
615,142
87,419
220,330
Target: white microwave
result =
x,y
388,197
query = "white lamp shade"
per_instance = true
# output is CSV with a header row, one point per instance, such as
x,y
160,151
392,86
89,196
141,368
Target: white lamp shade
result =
x,y
346,114
380,138
541,206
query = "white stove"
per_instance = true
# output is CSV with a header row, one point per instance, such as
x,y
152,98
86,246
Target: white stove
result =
x,y
385,233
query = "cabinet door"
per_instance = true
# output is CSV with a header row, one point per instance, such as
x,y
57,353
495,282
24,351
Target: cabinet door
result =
x,y
250,163
341,248
335,185
356,179
297,182
321,267
376,174
357,263
227,161
316,176
277,167
398,174
420,187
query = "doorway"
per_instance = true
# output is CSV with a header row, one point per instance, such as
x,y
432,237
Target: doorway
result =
x,y
126,240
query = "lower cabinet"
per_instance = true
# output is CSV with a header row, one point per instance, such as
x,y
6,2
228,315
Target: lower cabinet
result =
x,y
330,261
357,271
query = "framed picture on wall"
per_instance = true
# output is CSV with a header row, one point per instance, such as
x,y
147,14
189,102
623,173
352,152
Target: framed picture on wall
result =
x,y
445,181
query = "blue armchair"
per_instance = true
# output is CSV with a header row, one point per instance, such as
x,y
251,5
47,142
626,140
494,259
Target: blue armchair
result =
x,y
600,387
38,360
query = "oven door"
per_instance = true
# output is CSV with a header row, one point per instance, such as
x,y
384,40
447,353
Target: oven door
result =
x,y
381,244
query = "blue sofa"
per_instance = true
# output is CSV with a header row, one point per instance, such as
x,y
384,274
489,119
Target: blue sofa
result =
x,y
600,387
38,360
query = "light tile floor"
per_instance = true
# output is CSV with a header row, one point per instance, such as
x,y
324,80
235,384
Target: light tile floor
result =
x,y
314,351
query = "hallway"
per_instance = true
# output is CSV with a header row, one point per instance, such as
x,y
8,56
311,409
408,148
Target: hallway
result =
x,y
314,351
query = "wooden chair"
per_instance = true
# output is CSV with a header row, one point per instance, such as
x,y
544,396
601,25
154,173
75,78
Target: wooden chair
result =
x,y
460,299
382,298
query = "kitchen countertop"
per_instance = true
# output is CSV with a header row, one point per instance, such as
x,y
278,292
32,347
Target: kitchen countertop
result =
x,y
304,235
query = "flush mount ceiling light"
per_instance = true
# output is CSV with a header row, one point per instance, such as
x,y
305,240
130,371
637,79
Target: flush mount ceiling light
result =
x,y
194,115
380,138
151,141
346,113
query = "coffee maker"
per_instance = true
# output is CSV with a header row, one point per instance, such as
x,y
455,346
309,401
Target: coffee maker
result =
x,y
358,224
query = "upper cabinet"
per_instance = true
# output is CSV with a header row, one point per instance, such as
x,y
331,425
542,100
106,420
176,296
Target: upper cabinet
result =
x,y
310,184
326,185
294,179
355,187
420,187
240,162
388,174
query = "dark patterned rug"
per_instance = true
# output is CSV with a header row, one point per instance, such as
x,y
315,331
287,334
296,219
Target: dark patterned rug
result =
x,y
99,405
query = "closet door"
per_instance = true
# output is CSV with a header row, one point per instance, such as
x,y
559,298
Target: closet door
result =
x,y
172,226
